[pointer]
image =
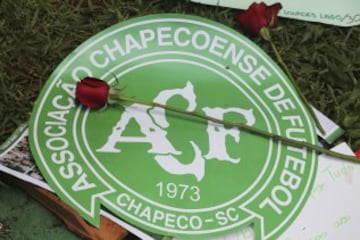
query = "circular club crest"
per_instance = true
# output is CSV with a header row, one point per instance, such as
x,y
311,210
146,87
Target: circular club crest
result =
x,y
168,173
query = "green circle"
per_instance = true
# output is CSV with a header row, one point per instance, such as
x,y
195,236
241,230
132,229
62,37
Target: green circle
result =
x,y
165,172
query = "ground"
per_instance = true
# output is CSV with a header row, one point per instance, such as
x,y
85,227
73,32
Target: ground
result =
x,y
36,35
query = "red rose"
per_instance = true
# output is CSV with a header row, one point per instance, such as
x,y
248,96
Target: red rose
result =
x,y
357,153
92,92
259,15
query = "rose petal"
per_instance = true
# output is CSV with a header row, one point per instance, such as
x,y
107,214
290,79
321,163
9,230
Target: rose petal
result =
x,y
259,15
92,92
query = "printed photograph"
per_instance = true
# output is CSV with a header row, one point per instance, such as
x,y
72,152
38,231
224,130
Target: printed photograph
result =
x,y
19,159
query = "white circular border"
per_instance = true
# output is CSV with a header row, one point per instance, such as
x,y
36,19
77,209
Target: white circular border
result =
x,y
83,126
167,20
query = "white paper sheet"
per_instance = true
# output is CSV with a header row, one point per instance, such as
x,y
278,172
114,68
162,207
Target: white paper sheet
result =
x,y
332,211
341,13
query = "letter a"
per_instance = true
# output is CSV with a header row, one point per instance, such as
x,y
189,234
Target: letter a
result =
x,y
152,133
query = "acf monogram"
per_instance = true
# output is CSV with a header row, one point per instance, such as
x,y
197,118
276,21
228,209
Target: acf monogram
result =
x,y
165,172
153,126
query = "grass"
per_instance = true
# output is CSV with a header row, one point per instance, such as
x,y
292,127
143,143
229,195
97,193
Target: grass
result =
x,y
36,35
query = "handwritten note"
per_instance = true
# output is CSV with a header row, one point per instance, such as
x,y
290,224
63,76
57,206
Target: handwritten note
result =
x,y
341,13
332,211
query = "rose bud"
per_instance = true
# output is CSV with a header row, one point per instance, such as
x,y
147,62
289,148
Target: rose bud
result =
x,y
92,92
258,16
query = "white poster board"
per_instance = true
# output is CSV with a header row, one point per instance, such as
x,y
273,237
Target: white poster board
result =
x,y
341,13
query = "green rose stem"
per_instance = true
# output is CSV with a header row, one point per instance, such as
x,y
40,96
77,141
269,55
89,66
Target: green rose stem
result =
x,y
307,104
265,34
115,94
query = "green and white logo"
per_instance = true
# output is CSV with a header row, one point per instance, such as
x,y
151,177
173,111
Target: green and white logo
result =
x,y
168,173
